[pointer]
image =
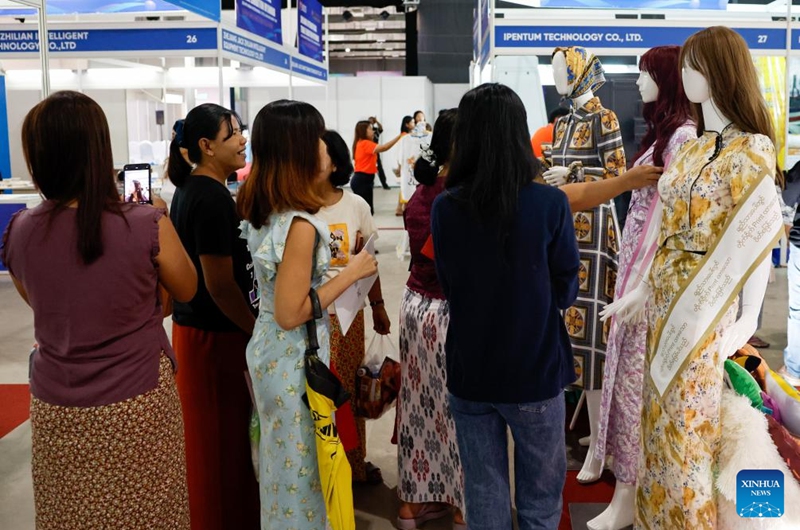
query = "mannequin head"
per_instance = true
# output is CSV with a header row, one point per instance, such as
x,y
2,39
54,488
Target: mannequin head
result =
x,y
576,72
560,74
665,105
647,87
717,68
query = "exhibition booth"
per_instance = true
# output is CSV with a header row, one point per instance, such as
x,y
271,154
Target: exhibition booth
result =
x,y
514,46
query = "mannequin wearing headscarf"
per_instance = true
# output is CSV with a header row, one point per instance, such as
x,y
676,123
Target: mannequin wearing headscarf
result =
x,y
587,146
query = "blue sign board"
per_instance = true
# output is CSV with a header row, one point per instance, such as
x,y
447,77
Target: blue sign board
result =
x,y
205,8
110,40
308,69
637,4
71,7
260,17
309,24
252,50
476,35
5,150
622,37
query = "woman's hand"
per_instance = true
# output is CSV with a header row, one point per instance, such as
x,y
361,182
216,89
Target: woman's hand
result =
x,y
641,177
380,319
362,265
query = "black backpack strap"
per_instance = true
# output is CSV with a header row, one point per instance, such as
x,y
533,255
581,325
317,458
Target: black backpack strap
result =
x,y
311,325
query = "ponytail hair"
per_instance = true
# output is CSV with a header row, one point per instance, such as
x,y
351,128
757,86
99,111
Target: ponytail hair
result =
x,y
203,121
427,167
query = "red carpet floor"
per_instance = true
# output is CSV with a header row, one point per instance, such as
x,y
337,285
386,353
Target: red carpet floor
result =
x,y
574,492
15,403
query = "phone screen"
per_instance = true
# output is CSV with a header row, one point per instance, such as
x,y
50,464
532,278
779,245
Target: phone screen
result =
x,y
137,186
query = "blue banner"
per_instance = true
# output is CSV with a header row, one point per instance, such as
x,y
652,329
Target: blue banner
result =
x,y
111,40
252,50
622,37
302,67
72,7
5,150
476,35
260,17
205,8
637,4
309,24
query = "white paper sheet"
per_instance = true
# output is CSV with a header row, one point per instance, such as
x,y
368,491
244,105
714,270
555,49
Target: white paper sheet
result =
x,y
351,301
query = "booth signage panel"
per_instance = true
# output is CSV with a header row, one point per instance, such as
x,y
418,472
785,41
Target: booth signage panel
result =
x,y
636,4
623,37
308,69
71,7
252,50
5,154
796,39
110,40
260,17
476,35
205,8
309,23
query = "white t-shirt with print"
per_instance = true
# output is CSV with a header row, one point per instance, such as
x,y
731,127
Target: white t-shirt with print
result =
x,y
345,220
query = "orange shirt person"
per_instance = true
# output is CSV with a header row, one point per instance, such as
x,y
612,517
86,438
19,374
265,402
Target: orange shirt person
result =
x,y
544,135
365,156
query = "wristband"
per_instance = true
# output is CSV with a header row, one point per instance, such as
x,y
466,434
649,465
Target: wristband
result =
x,y
376,303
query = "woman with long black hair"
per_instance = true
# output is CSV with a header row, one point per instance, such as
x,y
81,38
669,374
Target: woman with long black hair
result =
x,y
507,261
210,333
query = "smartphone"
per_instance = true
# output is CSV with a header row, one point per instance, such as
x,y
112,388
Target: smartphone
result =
x,y
138,180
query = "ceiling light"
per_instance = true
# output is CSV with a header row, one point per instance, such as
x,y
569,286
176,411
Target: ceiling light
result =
x,y
347,16
347,50
384,15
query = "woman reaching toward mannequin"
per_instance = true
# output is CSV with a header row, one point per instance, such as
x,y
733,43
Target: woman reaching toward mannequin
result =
x,y
508,354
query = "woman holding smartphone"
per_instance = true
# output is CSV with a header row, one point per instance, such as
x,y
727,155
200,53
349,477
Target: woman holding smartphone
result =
x,y
365,153
105,415
210,332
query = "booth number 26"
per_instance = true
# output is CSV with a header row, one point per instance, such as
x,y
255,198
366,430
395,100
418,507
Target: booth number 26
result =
x,y
192,39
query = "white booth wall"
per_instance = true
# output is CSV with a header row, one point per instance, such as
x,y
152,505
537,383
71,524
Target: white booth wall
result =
x,y
131,112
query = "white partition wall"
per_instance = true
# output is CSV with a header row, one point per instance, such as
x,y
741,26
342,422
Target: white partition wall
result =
x,y
448,96
521,74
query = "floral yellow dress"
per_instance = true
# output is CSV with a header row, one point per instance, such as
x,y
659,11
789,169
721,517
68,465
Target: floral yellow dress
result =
x,y
681,430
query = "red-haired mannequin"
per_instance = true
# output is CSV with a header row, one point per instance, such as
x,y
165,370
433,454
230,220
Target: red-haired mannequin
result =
x,y
666,111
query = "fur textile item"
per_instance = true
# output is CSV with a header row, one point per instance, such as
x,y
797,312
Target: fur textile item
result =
x,y
746,444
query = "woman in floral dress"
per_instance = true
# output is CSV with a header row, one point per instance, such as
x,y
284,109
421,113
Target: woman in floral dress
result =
x,y
290,254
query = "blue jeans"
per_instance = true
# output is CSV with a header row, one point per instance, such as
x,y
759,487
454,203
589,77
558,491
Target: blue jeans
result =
x,y
540,461
791,355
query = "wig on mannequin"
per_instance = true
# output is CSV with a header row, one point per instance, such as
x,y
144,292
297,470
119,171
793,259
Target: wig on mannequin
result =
x,y
722,56
671,109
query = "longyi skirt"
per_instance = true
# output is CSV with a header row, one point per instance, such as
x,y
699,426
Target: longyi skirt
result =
x,y
113,466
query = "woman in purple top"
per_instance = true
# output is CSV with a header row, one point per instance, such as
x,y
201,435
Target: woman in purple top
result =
x,y
106,424
426,432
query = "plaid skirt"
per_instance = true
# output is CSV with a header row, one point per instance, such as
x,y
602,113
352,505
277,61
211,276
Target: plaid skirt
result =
x,y
113,466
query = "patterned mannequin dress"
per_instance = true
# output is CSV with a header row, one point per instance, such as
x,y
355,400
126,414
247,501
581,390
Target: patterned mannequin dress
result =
x,y
589,142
